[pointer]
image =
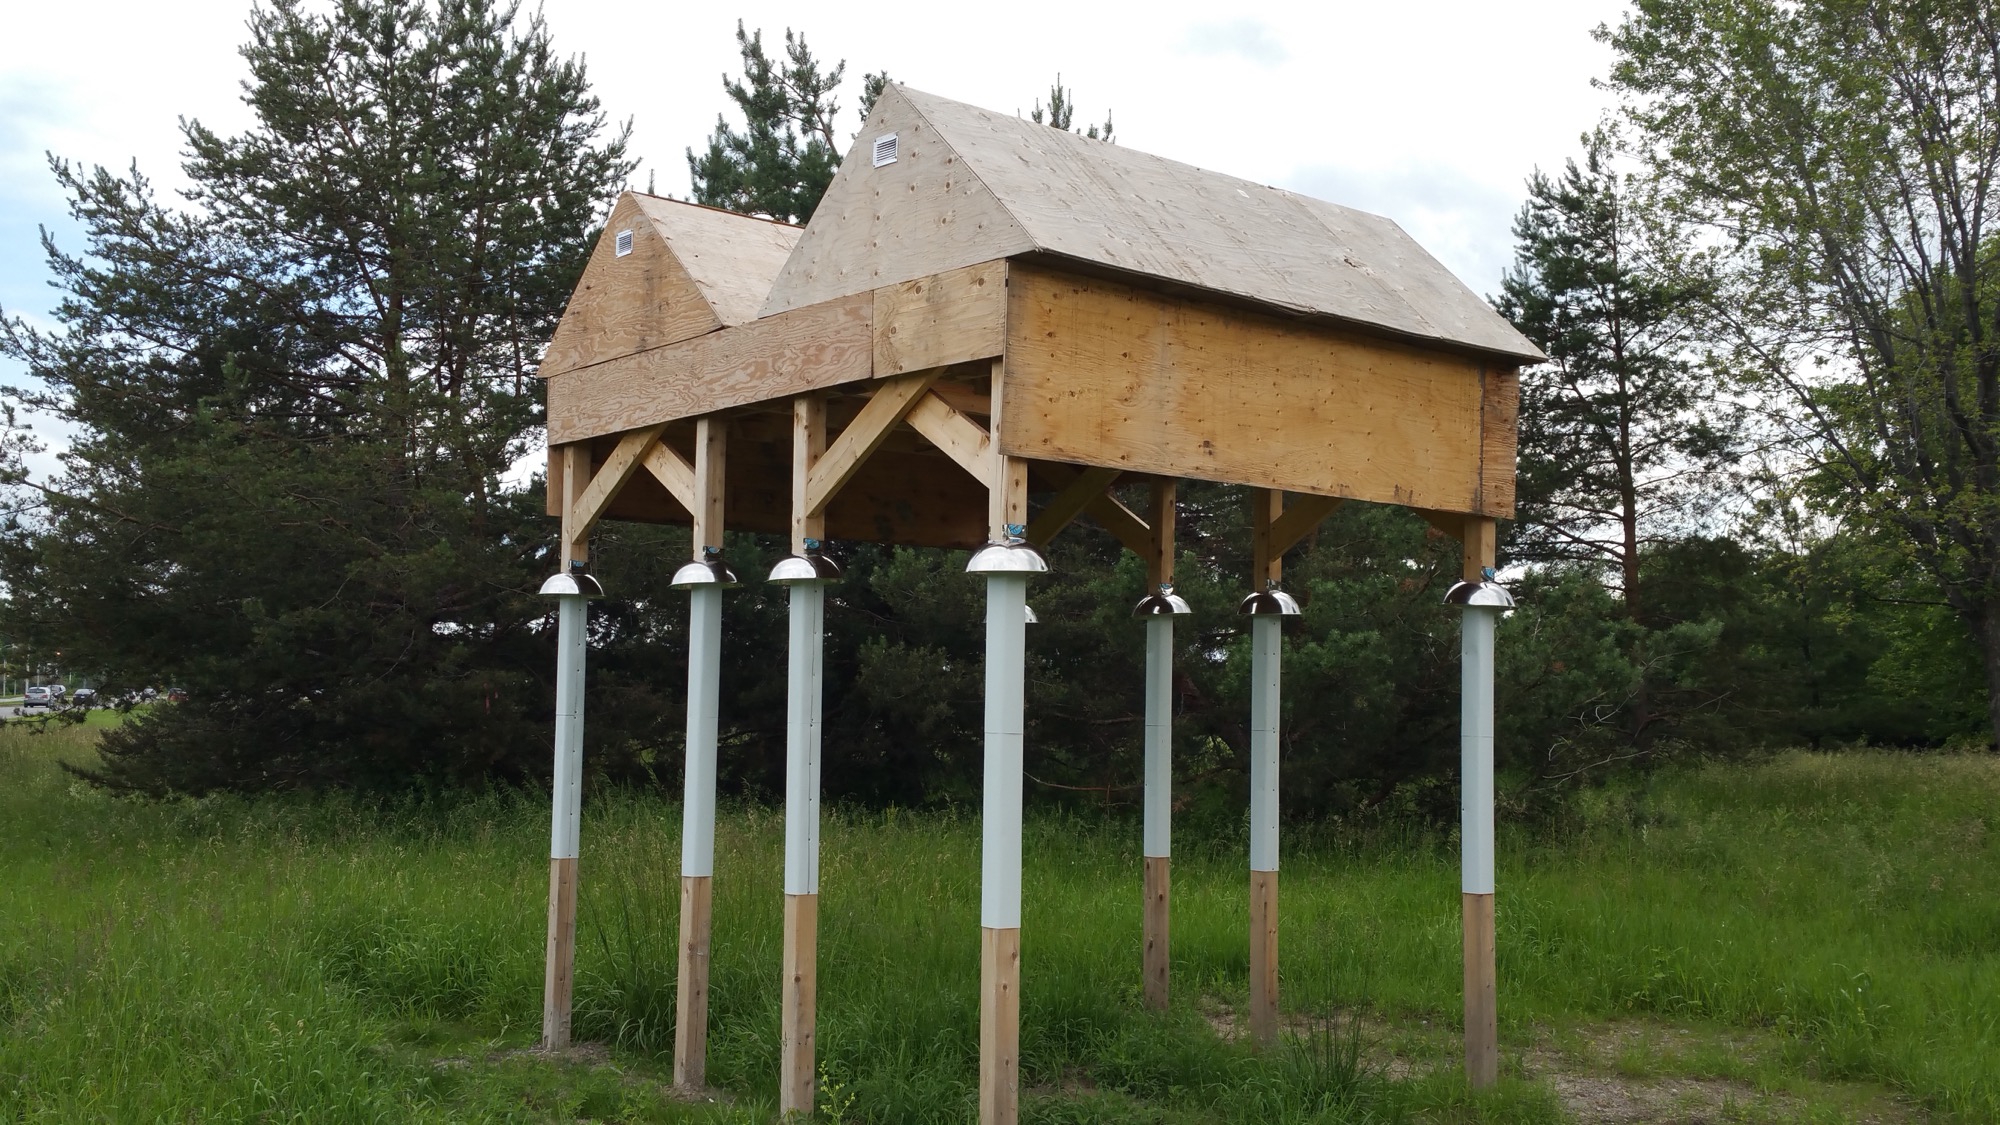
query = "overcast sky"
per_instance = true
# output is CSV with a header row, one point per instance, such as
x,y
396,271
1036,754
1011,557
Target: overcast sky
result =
x,y
1432,114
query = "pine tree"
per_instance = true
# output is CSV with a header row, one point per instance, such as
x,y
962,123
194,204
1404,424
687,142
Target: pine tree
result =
x,y
1623,433
1062,110
1622,428
297,392
781,162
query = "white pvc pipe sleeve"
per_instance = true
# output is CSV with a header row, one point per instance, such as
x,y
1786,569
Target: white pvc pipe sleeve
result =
x,y
567,795
1000,822
1264,658
704,701
1475,808
1159,736
802,739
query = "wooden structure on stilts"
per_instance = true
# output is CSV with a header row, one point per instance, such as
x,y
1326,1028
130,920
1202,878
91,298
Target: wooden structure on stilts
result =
x,y
987,325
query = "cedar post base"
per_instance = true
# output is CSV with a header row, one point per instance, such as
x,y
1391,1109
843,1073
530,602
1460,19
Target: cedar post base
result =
x,y
1482,1012
1157,931
1264,957
800,1007
559,980
691,984
999,1026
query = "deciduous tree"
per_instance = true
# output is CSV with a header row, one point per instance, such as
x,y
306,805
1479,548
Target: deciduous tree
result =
x,y
1845,153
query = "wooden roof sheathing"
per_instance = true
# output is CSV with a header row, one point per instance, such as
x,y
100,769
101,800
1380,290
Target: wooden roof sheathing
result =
x,y
732,258
688,270
970,185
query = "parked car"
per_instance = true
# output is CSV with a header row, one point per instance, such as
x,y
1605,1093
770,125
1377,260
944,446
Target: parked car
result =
x,y
84,697
38,696
59,691
177,695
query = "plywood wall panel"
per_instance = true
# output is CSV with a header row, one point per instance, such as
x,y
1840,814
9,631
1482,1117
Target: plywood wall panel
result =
x,y
1099,373
942,319
803,350
627,304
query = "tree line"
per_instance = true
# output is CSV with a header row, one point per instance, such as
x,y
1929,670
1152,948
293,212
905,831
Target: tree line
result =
x,y
1757,484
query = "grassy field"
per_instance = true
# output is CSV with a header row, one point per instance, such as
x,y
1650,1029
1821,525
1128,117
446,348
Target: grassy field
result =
x,y
1812,938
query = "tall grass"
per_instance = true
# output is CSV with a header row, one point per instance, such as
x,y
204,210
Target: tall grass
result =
x,y
327,960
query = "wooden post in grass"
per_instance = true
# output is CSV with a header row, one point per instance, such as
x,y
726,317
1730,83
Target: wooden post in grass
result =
x,y
704,577
1482,1034
1007,562
1159,609
799,1005
1267,567
566,798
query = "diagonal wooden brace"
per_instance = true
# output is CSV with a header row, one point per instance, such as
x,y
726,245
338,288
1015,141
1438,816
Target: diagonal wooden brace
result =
x,y
1076,496
892,401
588,508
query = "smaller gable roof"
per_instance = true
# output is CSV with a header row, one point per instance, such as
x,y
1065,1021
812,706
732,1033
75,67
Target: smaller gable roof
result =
x,y
731,258
686,270
970,185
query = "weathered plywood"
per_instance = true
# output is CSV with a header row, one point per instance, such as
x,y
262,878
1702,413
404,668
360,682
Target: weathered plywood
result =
x,y
1099,373
942,319
624,305
731,258
971,185
1500,410
777,357
924,214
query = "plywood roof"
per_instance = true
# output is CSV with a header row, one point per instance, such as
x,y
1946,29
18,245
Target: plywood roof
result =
x,y
970,185
687,270
732,258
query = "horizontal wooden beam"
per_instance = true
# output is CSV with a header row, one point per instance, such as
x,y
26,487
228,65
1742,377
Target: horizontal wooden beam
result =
x,y
945,318
886,408
778,357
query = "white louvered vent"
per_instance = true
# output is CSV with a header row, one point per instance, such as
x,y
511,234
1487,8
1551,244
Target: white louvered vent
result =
x,y
624,243
885,149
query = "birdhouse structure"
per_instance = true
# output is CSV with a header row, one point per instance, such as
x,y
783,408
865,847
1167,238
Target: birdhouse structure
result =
x,y
987,326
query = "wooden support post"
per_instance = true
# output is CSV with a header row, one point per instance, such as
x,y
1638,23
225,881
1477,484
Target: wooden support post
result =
x,y
1264,667
711,461
558,980
799,1007
1264,956
1000,812
691,987
808,445
1267,557
1267,568
1482,1030
1007,492
1157,924
698,797
558,984
576,482
999,1026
